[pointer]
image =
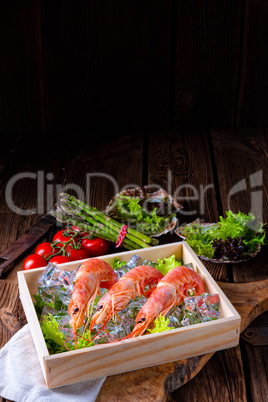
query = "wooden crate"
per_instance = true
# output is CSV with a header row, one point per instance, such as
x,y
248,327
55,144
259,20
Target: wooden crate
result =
x,y
131,354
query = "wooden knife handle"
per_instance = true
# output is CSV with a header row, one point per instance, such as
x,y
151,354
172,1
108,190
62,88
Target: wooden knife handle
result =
x,y
27,240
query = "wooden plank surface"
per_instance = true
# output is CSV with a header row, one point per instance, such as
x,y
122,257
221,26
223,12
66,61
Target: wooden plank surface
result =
x,y
253,99
141,66
11,311
257,357
207,63
241,160
191,158
104,170
32,171
187,156
248,183
107,67
22,102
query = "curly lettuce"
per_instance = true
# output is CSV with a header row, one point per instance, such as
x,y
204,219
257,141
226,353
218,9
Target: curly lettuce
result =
x,y
129,209
200,238
57,341
167,264
53,337
160,325
118,264
245,227
248,227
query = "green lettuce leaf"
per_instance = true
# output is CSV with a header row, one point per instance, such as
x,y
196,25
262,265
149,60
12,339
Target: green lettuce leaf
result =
x,y
53,337
117,264
235,226
39,304
167,264
56,340
160,325
245,225
129,210
83,341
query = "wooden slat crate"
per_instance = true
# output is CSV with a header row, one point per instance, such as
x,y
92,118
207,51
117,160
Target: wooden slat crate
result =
x,y
131,354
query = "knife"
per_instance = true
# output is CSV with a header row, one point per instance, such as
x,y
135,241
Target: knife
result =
x,y
35,232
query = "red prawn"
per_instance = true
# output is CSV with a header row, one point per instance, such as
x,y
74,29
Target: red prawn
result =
x,y
170,291
131,285
91,276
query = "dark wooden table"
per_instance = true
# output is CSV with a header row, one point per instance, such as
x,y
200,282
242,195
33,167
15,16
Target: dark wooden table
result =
x,y
211,171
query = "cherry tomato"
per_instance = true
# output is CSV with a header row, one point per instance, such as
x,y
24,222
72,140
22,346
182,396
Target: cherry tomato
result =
x,y
60,259
46,250
96,246
34,261
81,233
63,236
77,253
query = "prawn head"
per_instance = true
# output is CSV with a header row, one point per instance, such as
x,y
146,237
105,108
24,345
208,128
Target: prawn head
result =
x,y
160,302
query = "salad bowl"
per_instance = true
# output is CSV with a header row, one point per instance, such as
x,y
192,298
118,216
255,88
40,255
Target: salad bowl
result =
x,y
234,239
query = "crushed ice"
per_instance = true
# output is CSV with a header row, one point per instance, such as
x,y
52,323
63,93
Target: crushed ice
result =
x,y
57,285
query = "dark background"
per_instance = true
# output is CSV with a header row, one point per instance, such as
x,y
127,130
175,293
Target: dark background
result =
x,y
122,66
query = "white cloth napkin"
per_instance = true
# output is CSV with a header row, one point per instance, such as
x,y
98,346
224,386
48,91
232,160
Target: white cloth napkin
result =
x,y
21,377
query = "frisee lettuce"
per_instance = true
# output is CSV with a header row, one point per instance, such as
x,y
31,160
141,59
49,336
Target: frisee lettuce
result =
x,y
160,325
129,210
117,264
83,341
56,304
53,337
57,341
235,226
247,226
167,264
39,304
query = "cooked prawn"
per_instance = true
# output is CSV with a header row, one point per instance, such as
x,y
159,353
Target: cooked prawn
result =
x,y
92,275
170,291
131,285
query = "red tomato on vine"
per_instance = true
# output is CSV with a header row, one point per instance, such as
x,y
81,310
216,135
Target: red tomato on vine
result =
x,y
96,246
64,236
78,253
34,261
45,250
81,233
60,259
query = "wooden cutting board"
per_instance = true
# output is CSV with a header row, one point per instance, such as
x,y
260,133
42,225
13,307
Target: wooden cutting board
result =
x,y
152,383
155,383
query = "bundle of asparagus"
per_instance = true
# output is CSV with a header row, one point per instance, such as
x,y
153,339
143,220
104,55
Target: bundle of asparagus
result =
x,y
75,212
